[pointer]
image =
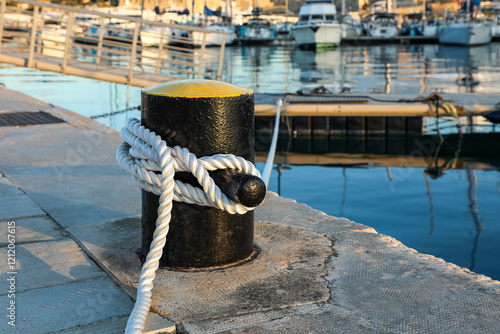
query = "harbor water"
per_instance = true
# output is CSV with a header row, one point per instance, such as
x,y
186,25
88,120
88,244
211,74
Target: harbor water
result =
x,y
452,213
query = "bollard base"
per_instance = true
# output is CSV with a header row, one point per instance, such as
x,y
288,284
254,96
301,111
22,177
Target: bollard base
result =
x,y
198,236
286,269
256,252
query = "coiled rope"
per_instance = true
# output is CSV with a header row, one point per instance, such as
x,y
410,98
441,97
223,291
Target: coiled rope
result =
x,y
152,164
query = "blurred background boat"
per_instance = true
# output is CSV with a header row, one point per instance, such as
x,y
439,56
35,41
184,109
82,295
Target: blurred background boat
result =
x,y
317,26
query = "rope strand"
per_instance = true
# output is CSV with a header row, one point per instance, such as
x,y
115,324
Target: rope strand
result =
x,y
153,164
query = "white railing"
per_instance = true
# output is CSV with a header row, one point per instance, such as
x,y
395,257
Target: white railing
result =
x,y
79,35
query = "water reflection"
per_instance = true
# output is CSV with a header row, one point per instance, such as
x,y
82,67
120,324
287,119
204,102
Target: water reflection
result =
x,y
468,61
473,208
399,69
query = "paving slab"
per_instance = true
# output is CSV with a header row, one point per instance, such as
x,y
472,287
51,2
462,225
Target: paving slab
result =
x,y
18,206
63,144
80,193
116,325
35,229
41,265
403,291
286,211
7,187
48,310
296,320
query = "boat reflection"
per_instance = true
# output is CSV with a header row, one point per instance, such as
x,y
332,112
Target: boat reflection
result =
x,y
468,61
474,211
326,68
474,151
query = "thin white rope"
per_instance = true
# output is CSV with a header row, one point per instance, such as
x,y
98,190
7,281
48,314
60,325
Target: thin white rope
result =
x,y
266,174
152,164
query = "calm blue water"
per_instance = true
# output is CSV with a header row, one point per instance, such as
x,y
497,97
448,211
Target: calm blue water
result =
x,y
454,216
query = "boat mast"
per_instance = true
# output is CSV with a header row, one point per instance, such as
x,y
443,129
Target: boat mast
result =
x,y
343,8
467,11
227,12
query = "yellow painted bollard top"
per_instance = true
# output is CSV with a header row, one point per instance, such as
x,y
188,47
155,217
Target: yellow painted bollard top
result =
x,y
197,89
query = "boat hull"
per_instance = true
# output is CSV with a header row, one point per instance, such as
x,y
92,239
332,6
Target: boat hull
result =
x,y
215,37
465,34
317,35
386,31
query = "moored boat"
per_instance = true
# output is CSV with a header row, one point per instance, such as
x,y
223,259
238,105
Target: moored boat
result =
x,y
317,26
382,25
256,31
465,33
466,30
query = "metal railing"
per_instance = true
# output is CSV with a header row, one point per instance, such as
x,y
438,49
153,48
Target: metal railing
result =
x,y
139,46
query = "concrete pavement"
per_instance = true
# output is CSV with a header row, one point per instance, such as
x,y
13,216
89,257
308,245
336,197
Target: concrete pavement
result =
x,y
77,227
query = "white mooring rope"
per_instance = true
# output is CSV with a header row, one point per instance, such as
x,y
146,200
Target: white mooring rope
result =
x,y
142,155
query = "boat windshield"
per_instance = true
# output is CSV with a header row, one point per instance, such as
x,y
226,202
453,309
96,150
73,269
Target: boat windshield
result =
x,y
316,17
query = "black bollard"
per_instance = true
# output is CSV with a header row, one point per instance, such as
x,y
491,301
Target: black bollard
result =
x,y
206,117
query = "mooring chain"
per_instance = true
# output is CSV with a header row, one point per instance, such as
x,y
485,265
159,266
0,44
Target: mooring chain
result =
x,y
148,159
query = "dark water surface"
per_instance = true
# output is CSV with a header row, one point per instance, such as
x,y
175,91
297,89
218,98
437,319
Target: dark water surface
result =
x,y
441,198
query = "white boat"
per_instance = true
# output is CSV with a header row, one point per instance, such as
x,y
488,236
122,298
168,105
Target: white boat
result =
x,y
317,26
351,26
256,31
382,25
214,36
53,35
431,27
155,35
465,33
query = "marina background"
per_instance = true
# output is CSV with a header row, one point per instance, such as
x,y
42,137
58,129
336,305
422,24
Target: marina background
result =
x,y
454,217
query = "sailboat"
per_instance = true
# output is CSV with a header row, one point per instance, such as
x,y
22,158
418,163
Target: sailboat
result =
x,y
464,31
351,24
256,30
382,24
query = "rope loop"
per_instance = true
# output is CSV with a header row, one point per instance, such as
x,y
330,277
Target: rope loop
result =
x,y
153,164
143,153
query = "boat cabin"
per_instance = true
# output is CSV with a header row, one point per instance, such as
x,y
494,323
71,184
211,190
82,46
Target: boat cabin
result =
x,y
317,11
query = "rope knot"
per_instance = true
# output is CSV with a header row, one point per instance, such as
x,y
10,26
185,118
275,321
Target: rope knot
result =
x,y
151,163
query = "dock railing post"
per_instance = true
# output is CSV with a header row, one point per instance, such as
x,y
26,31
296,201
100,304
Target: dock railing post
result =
x,y
133,52
39,39
101,39
2,22
202,56
221,57
33,33
68,45
160,49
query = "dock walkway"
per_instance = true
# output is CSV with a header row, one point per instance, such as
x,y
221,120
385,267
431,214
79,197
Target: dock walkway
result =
x,y
144,53
86,70
77,228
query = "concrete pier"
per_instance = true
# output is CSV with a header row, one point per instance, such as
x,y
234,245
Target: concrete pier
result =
x,y
77,223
